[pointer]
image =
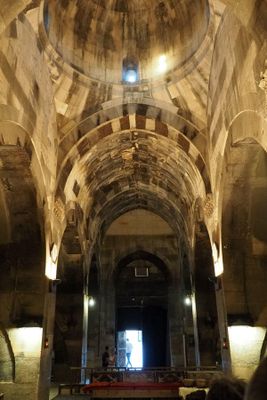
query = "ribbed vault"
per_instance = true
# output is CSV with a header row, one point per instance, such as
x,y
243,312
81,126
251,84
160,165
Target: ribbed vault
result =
x,y
135,169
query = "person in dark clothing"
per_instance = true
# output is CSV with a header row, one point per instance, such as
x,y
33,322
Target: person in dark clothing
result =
x,y
105,358
256,389
226,389
197,395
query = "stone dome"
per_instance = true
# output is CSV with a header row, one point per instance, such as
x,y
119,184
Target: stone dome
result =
x,y
100,38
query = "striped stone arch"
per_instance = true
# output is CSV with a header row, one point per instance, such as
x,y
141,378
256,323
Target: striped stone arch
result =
x,y
100,221
78,141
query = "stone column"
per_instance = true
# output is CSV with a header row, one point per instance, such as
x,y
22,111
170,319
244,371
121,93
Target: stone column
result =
x,y
195,326
47,342
107,316
223,326
85,334
176,326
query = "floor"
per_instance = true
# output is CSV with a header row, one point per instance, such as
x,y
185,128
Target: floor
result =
x,y
54,390
54,394
72,397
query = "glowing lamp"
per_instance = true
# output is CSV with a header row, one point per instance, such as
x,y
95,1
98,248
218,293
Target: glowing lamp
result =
x,y
187,301
91,302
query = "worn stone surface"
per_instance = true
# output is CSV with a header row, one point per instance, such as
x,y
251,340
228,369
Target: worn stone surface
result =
x,y
80,148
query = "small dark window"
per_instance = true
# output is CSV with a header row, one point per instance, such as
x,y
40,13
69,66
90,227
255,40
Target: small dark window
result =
x,y
141,272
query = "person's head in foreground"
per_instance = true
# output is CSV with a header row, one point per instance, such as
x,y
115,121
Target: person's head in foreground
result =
x,y
226,389
257,387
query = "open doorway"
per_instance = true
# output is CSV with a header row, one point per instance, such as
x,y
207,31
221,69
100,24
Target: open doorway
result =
x,y
130,349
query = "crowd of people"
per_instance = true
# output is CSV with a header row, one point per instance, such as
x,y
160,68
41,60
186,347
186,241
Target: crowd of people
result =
x,y
227,388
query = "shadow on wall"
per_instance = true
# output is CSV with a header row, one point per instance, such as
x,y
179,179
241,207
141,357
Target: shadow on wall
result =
x,y
7,359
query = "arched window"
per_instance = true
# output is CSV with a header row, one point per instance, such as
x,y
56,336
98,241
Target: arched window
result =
x,y
130,70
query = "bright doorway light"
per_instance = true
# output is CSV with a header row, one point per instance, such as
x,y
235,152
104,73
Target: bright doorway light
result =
x,y
136,339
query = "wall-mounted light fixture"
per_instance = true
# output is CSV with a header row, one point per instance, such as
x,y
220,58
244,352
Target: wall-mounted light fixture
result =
x,y
46,343
187,300
91,301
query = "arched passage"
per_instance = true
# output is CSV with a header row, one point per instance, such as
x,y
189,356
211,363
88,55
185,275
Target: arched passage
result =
x,y
141,286
22,280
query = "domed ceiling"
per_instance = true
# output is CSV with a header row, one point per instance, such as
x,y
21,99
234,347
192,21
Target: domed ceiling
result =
x,y
98,37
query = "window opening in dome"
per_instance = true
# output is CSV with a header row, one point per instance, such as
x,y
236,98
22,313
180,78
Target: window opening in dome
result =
x,y
130,70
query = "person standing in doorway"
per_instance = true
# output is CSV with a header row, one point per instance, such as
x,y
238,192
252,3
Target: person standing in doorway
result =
x,y
129,349
105,357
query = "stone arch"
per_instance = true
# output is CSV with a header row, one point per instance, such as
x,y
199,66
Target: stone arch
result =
x,y
145,302
142,117
27,113
248,126
101,188
22,283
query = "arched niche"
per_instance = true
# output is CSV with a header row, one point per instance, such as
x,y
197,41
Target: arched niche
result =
x,y
244,244
21,245
22,266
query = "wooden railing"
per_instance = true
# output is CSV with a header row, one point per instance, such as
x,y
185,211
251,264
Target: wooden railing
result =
x,y
120,374
190,377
